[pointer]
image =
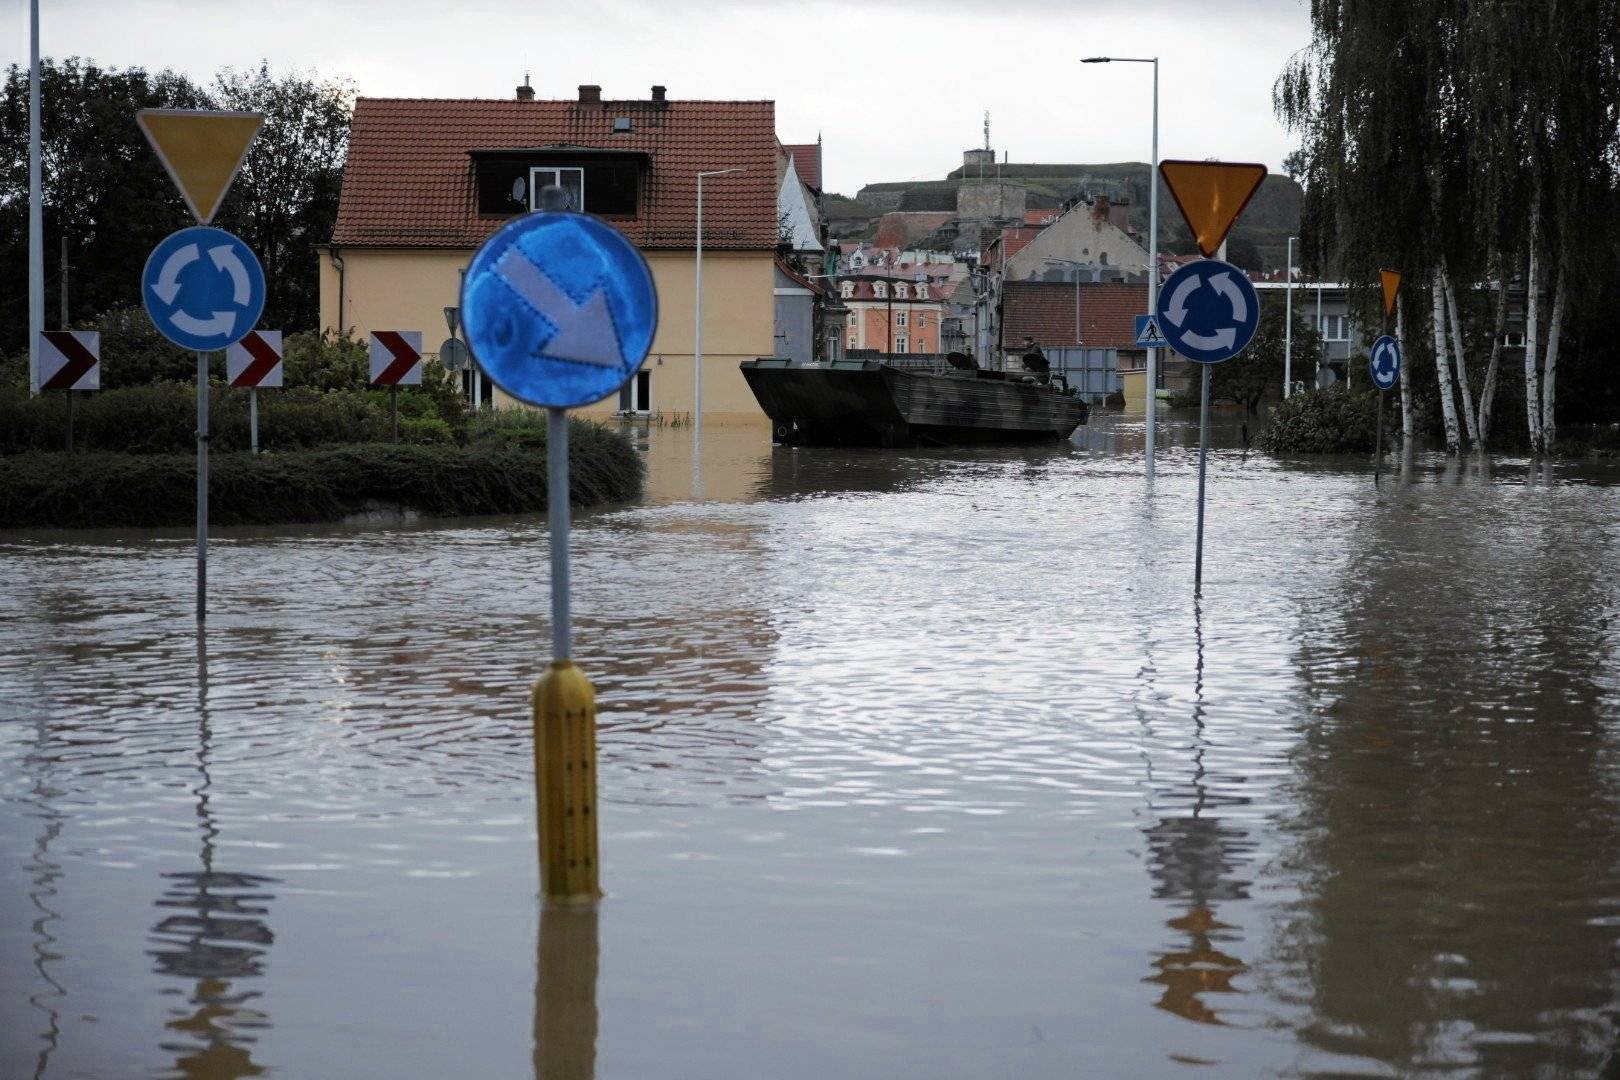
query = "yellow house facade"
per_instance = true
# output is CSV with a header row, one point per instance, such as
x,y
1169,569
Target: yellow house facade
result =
x,y
428,180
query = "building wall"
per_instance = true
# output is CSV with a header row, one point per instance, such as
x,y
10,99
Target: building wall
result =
x,y
868,325
404,289
990,201
1078,236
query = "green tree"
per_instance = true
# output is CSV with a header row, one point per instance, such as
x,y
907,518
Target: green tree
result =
x,y
1257,372
105,192
284,201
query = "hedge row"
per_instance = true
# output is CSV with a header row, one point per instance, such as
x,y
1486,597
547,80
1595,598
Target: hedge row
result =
x,y
162,418
94,490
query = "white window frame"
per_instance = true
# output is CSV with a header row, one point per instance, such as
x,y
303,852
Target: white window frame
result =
x,y
554,176
902,291
900,319
636,404
900,343
922,291
847,290
880,289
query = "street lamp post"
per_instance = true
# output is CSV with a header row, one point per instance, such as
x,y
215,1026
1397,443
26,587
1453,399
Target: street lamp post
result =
x,y
697,316
1288,324
1153,245
36,221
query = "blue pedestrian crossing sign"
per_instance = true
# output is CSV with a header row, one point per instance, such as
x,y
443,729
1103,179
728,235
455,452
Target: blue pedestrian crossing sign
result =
x,y
203,288
1384,362
1208,311
559,308
1148,335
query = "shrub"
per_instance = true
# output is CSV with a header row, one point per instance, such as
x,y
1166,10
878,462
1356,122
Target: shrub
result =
x,y
1331,421
162,418
148,490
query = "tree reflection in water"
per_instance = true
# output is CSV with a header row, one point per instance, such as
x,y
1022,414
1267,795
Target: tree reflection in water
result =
x,y
220,940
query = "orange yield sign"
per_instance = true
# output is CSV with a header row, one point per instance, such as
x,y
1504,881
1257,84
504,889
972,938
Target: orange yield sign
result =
x,y
1392,281
1211,195
202,151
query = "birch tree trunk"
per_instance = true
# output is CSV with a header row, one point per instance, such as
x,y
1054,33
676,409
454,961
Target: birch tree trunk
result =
x,y
1487,393
1406,378
1442,365
1532,332
1470,416
1549,375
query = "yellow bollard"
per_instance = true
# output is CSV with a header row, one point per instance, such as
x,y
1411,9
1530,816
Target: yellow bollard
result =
x,y
565,783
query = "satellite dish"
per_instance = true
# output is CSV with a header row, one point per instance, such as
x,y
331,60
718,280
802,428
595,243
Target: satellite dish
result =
x,y
1325,377
520,190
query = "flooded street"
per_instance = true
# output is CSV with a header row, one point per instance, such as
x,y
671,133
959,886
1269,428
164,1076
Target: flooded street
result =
x,y
913,764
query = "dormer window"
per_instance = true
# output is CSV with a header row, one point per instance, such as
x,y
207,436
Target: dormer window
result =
x,y
602,182
902,291
880,289
847,290
922,291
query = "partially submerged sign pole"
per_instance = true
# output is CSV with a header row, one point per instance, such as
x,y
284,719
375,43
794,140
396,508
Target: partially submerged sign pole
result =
x,y
202,287
1208,311
559,310
1384,363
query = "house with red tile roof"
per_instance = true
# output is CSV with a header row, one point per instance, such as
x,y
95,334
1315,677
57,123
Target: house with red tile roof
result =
x,y
428,180
1065,315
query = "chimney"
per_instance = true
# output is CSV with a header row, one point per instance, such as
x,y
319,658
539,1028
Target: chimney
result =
x,y
1099,209
525,92
590,95
658,93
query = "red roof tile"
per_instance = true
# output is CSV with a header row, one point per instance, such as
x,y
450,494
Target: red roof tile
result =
x,y
1045,311
806,162
408,181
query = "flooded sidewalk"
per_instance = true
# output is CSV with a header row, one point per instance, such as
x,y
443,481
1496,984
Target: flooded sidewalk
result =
x,y
912,764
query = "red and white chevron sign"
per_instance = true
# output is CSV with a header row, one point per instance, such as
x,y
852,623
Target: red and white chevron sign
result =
x,y
396,358
70,360
255,361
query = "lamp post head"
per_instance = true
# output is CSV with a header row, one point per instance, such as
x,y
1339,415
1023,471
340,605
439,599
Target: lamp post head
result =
x,y
1097,60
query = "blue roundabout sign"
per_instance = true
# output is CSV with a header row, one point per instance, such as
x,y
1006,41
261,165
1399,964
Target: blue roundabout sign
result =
x,y
559,308
1384,362
1208,311
203,288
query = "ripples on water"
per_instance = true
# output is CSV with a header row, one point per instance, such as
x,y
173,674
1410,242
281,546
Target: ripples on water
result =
x,y
913,764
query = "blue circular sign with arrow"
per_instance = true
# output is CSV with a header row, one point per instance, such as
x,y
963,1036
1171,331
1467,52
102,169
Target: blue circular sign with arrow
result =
x,y
559,308
203,288
1384,362
1208,311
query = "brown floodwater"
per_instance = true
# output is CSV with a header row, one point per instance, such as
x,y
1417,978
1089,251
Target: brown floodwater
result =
x,y
913,764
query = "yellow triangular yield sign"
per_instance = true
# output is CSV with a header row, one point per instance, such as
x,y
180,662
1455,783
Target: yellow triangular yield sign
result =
x,y
1211,195
202,151
1392,281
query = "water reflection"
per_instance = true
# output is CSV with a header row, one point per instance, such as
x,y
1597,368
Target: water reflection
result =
x,y
1193,859
565,993
1457,832
218,943
44,873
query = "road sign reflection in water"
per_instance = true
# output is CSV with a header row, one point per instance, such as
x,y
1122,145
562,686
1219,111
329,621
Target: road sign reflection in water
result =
x,y
559,309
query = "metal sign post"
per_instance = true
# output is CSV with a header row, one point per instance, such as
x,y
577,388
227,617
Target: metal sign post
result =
x,y
559,310
1208,311
203,288
255,362
1384,364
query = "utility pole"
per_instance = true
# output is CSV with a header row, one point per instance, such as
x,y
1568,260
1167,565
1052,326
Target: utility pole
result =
x,y
1288,323
36,210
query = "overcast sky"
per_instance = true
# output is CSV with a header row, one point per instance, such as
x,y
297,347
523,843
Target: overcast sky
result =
x,y
896,88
